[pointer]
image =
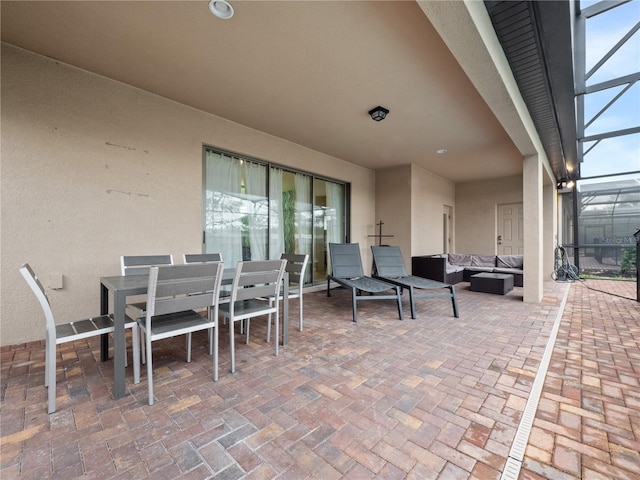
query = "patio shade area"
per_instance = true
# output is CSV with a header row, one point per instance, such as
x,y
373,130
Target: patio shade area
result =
x,y
435,397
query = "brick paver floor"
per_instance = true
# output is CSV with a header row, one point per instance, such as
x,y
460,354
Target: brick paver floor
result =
x,y
587,425
435,397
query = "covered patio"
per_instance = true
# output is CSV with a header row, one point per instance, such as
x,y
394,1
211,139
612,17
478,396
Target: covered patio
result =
x,y
435,397
108,112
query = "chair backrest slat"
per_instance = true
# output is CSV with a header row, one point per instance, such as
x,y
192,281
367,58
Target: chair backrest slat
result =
x,y
183,303
140,264
183,287
345,260
255,291
388,261
296,266
258,278
201,257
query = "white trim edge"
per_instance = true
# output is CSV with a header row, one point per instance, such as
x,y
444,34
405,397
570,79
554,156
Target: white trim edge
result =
x,y
516,455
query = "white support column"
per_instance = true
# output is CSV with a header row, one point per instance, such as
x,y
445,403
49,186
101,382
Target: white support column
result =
x,y
533,228
550,231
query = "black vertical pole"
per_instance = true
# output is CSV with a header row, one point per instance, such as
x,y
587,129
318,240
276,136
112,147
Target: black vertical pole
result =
x,y
576,229
637,236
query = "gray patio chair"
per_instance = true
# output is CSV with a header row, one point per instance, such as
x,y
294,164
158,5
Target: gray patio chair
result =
x,y
189,258
346,271
174,295
139,265
388,265
57,334
253,283
296,268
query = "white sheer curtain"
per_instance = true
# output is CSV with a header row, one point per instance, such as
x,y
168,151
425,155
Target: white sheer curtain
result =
x,y
334,217
255,182
276,217
335,213
243,213
223,227
303,213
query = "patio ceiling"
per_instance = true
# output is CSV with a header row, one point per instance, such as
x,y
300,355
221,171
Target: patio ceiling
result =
x,y
307,72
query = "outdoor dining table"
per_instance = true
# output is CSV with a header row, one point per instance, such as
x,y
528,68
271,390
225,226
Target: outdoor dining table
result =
x,y
123,286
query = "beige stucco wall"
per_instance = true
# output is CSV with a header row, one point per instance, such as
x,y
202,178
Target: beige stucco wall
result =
x,y
410,201
430,194
93,169
393,207
476,212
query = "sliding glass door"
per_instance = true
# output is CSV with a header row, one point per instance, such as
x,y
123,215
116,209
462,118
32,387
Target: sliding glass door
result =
x,y
254,210
328,222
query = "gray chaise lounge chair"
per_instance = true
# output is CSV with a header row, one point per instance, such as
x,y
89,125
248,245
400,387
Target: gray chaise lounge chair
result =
x,y
346,266
388,266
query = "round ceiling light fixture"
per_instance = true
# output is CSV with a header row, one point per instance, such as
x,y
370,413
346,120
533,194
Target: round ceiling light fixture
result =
x,y
221,9
441,151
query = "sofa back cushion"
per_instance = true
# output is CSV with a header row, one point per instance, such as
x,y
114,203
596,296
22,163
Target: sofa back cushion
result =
x,y
510,261
483,260
462,259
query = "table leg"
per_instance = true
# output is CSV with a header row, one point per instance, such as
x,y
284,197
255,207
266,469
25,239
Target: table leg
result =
x,y
104,310
119,346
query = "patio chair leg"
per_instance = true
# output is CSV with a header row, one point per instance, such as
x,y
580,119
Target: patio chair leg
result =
x,y
47,365
276,340
232,346
143,347
301,320
210,331
149,369
412,302
399,303
135,341
269,323
454,301
354,302
50,379
214,333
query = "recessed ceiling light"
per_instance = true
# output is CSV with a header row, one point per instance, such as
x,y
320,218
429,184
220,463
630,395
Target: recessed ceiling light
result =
x,y
441,151
221,9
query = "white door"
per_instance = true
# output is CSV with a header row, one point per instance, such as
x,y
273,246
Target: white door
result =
x,y
510,229
447,229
